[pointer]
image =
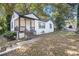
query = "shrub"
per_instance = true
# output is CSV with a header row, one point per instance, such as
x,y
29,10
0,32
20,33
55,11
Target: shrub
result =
x,y
10,35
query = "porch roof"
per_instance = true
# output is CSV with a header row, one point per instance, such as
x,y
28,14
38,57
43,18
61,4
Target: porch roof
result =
x,y
32,16
29,16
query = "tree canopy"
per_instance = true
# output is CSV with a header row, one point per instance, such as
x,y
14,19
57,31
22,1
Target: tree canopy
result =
x,y
60,12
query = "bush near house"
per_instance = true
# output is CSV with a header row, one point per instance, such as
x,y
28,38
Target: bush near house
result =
x,y
3,26
10,35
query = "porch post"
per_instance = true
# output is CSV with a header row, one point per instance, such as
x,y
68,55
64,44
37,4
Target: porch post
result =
x,y
18,29
34,24
25,27
34,28
30,24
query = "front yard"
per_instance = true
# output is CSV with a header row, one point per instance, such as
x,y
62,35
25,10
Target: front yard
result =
x,y
52,44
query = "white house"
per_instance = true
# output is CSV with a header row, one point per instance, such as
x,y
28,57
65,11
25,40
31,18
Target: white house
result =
x,y
30,23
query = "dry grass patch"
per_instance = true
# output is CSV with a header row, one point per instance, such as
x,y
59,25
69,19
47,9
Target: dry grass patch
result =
x,y
52,44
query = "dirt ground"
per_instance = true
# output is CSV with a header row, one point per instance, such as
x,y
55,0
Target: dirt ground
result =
x,y
52,44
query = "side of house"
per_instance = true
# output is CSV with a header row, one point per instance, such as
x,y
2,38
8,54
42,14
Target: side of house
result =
x,y
44,27
12,23
30,23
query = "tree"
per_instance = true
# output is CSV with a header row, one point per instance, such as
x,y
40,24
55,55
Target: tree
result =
x,y
3,22
78,16
22,8
8,9
38,9
6,13
3,25
61,13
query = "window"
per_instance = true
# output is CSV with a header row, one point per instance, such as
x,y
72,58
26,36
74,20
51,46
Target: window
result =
x,y
50,25
41,25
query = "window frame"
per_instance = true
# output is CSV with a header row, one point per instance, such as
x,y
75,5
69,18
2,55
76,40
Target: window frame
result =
x,y
41,25
50,26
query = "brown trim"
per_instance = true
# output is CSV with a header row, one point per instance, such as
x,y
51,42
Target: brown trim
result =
x,y
19,28
34,24
33,18
25,27
19,24
25,23
30,24
30,17
14,25
27,17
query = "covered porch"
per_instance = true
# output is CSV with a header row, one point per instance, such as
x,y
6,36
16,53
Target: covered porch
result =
x,y
25,27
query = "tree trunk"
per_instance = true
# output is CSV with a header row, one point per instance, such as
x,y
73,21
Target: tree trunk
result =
x,y
8,18
78,17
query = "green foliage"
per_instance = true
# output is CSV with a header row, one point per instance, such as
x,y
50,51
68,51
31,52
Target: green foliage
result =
x,y
10,35
78,23
3,26
38,10
22,8
6,12
78,16
61,11
59,23
9,8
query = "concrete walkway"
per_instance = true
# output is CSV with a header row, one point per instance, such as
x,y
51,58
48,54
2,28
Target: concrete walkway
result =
x,y
9,50
28,42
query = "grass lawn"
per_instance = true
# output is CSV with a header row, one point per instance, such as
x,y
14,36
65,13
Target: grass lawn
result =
x,y
52,44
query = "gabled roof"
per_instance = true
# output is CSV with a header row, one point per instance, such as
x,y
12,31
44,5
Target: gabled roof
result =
x,y
31,16
17,12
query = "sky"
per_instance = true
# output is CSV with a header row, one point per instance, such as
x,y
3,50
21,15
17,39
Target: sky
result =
x,y
48,10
